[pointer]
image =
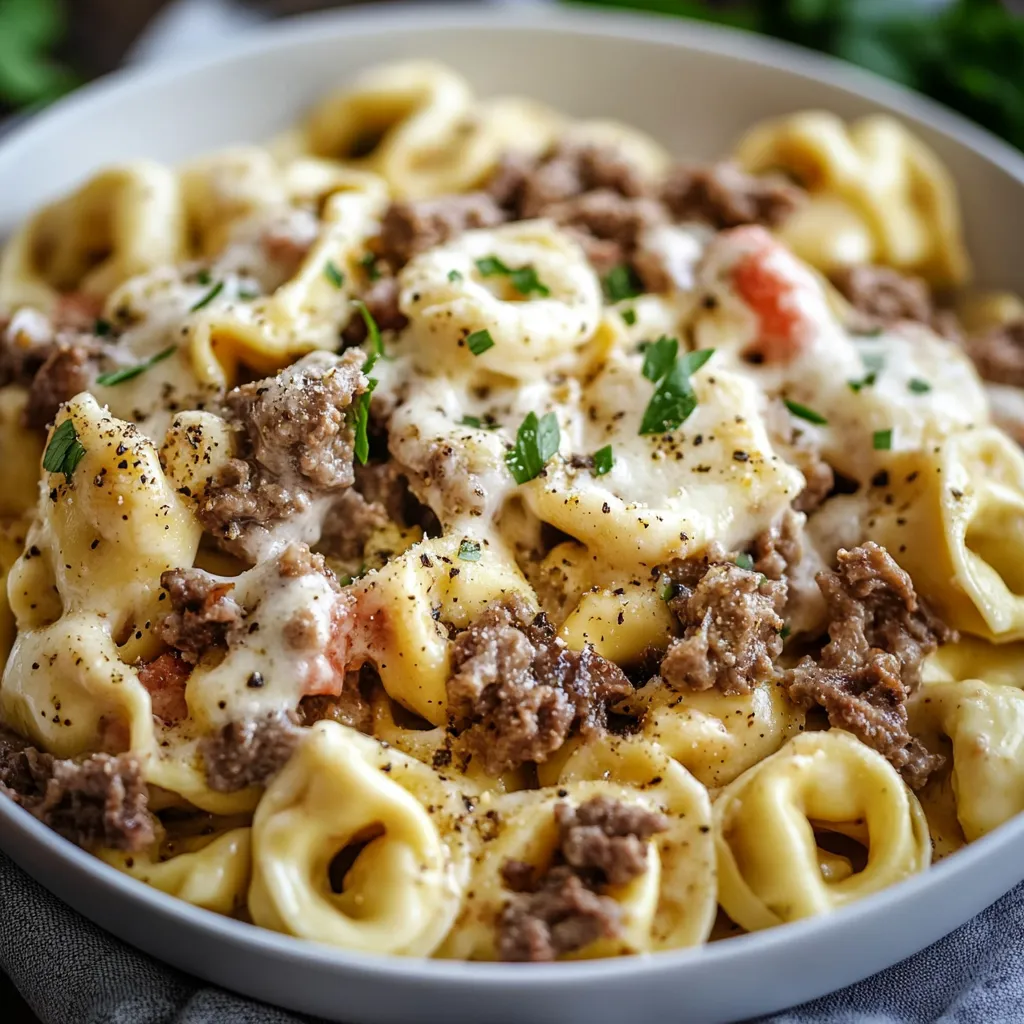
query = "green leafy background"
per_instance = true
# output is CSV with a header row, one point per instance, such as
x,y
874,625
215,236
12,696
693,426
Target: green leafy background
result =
x,y
968,54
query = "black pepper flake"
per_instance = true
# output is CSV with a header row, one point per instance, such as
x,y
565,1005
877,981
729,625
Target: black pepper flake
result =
x,y
740,456
255,681
880,479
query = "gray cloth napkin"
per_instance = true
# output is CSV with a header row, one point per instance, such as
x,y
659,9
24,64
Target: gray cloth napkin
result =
x,y
71,972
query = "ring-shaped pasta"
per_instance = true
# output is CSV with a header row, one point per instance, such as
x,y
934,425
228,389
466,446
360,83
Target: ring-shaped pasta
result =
x,y
402,121
985,723
715,737
124,221
669,906
769,868
448,297
403,889
409,604
214,876
953,516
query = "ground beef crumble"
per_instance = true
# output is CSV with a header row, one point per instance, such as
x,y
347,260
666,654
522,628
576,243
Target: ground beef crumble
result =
x,y
881,297
879,634
295,444
731,627
998,353
204,612
516,690
725,197
100,801
249,753
602,842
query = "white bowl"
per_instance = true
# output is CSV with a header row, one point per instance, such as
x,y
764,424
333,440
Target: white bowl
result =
x,y
697,89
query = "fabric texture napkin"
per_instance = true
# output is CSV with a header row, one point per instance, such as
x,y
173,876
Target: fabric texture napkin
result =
x,y
72,972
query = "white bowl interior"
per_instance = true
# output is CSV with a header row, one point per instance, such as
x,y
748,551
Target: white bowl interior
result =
x,y
697,89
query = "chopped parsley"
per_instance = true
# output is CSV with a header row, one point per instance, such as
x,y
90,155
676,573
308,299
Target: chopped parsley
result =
x,y
129,372
881,440
745,561
480,424
372,331
347,579
621,283
369,264
359,411
604,459
248,294
658,358
674,398
667,590
64,452
333,273
804,413
469,551
204,277
536,441
629,316
479,342
454,275
524,280
785,632
208,297
102,328
918,386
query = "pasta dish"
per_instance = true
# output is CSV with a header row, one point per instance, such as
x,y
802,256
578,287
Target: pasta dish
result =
x,y
456,530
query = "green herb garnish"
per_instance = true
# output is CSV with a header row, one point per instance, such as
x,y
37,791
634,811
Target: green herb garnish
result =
x,y
208,297
667,590
479,424
369,264
333,273
64,452
454,275
785,632
745,561
102,328
469,551
536,441
120,376
479,342
372,331
604,459
621,283
674,398
881,440
524,279
629,316
204,277
918,386
804,413
658,358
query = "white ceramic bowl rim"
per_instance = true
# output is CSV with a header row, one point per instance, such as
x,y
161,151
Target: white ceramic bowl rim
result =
x,y
727,42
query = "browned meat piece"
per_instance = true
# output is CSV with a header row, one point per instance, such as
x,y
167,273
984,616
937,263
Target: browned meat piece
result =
x,y
381,300
884,296
527,188
350,707
516,690
249,753
998,353
725,197
203,615
731,628
607,836
609,226
601,842
409,228
101,801
779,547
561,915
165,677
68,370
879,633
295,445
819,477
